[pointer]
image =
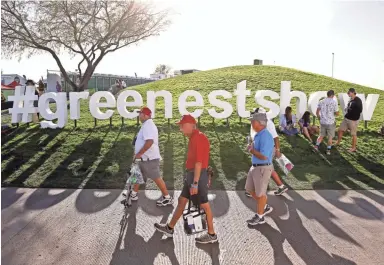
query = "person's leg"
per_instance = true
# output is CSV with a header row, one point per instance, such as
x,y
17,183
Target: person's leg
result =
x,y
343,127
323,132
281,188
161,184
353,128
152,170
276,178
168,229
306,133
260,178
136,188
179,211
208,213
330,134
354,143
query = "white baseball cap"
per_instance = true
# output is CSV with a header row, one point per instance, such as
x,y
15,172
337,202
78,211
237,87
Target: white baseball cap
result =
x,y
259,110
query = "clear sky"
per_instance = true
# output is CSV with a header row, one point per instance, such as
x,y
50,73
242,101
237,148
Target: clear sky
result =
x,y
211,34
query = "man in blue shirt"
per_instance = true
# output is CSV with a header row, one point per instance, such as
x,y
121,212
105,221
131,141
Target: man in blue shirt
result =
x,y
261,170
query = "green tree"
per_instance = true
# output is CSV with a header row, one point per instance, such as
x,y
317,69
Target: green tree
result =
x,y
88,29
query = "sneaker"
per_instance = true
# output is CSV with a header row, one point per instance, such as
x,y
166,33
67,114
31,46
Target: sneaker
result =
x,y
256,220
281,190
164,201
206,239
328,152
267,209
163,228
134,197
248,194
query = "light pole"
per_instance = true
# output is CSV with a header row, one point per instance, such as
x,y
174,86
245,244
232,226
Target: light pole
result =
x,y
333,60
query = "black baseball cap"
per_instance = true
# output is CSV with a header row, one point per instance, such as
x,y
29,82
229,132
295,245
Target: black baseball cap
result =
x,y
352,90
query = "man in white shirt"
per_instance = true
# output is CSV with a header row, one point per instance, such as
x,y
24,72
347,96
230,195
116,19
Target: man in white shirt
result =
x,y
272,130
326,112
147,150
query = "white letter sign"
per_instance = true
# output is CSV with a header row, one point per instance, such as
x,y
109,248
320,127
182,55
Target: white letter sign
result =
x,y
183,104
95,105
226,106
122,103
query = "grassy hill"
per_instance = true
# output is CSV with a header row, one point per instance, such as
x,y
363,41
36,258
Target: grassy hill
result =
x,y
98,156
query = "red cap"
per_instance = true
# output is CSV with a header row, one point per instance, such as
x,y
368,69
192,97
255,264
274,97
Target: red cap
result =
x,y
187,119
145,111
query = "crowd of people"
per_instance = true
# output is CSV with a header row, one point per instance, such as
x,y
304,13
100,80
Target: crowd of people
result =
x,y
263,148
327,111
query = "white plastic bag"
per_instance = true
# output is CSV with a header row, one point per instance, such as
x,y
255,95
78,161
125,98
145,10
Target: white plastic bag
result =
x,y
284,164
136,175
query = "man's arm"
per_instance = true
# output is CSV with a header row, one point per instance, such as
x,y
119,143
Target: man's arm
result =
x,y
277,146
258,154
147,145
318,113
197,172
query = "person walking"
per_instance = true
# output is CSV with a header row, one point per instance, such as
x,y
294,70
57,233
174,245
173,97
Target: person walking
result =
x,y
259,174
326,111
195,181
281,188
148,153
351,119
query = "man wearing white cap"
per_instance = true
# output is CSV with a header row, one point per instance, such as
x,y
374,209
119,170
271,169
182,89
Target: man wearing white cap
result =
x,y
272,130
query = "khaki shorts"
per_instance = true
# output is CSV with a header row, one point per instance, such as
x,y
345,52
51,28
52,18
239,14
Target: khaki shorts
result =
x,y
349,124
258,179
327,130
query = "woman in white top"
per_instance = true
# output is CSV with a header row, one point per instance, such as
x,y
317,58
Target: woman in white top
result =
x,y
288,123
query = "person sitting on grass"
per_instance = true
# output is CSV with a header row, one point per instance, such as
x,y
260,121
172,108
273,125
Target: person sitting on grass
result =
x,y
287,123
306,128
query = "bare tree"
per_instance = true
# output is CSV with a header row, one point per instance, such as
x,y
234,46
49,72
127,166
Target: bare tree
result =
x,y
162,69
89,29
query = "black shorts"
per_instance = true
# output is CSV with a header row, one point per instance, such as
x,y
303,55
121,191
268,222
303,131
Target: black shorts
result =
x,y
202,195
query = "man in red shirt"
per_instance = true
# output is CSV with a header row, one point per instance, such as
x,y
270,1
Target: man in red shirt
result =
x,y
196,180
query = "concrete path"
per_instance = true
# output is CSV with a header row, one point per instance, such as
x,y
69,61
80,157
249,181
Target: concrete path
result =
x,y
44,226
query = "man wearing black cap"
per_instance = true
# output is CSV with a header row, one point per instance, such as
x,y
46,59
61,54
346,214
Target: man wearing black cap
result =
x,y
351,118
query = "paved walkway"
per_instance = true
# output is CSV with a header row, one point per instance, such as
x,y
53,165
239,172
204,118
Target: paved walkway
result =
x,y
44,226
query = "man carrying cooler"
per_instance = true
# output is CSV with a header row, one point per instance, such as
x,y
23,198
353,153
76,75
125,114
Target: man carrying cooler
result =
x,y
147,150
261,170
196,180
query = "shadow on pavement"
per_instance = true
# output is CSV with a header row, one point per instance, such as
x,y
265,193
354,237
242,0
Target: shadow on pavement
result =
x,y
135,250
9,196
62,173
293,230
213,250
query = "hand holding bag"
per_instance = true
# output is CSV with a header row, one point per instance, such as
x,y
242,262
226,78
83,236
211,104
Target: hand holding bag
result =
x,y
195,220
284,164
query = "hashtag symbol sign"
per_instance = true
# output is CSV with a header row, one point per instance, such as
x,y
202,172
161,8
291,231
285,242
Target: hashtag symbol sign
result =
x,y
23,104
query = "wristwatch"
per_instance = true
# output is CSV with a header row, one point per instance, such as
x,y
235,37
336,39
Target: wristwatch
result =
x,y
194,185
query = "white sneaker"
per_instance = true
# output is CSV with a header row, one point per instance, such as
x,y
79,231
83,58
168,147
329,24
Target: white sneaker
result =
x,y
134,197
164,201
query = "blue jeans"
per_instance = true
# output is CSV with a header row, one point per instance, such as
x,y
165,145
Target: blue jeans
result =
x,y
292,131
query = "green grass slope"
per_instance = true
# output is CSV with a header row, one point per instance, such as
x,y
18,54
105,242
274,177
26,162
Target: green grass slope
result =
x,y
98,156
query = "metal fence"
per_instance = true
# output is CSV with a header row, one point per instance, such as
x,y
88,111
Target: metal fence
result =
x,y
102,82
